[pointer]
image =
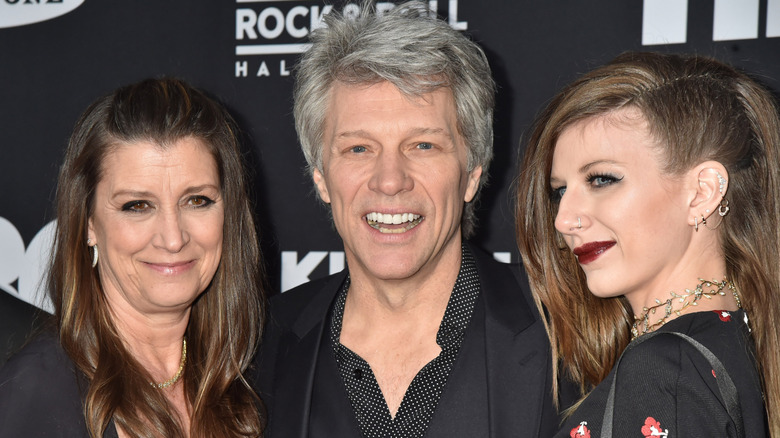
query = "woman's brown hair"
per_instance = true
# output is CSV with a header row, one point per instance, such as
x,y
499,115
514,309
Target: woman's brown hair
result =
x,y
225,321
698,109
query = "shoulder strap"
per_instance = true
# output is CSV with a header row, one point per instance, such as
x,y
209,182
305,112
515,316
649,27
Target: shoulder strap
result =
x,y
727,388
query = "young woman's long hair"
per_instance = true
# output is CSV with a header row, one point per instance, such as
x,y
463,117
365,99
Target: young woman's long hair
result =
x,y
698,109
225,321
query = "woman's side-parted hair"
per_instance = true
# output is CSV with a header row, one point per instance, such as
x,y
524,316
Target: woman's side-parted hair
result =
x,y
698,109
410,48
225,321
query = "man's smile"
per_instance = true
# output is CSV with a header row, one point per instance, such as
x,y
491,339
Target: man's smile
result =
x,y
407,221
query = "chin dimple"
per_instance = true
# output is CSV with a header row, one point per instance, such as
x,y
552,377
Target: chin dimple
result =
x,y
377,220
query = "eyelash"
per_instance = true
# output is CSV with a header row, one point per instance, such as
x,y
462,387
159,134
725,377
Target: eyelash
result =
x,y
207,201
557,192
133,206
611,179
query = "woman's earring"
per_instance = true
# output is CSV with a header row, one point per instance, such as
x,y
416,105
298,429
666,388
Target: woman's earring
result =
x,y
94,252
721,183
723,208
695,224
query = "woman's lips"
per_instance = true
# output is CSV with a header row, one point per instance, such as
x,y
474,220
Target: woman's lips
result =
x,y
171,268
591,251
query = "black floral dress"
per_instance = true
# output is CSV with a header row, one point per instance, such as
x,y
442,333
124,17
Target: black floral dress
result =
x,y
667,388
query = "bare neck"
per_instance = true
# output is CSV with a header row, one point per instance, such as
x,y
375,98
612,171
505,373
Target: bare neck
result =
x,y
154,340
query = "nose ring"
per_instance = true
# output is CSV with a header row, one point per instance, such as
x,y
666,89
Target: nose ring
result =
x,y
579,222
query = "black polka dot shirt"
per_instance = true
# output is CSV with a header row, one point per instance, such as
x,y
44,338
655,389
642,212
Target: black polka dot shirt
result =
x,y
423,394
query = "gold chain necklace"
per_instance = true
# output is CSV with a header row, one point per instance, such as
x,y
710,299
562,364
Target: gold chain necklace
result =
x,y
176,376
642,322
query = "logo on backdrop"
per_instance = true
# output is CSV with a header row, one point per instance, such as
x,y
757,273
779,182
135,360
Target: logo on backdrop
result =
x,y
269,33
666,21
23,271
20,12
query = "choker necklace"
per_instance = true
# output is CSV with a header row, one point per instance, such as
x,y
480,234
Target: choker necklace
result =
x,y
642,323
176,376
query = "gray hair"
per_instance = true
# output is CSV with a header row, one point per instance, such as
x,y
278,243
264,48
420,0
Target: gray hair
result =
x,y
410,48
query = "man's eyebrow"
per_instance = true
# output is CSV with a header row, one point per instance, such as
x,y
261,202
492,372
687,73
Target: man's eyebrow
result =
x,y
414,131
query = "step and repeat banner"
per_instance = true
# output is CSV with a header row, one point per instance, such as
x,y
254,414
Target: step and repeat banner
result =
x,y
56,56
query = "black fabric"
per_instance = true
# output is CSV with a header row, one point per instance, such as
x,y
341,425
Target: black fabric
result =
x,y
41,394
728,390
422,396
462,410
508,362
666,383
330,412
18,321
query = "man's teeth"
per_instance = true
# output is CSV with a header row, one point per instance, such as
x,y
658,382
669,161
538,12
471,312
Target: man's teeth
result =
x,y
376,220
392,219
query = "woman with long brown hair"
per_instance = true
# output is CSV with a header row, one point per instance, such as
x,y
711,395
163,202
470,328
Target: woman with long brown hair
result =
x,y
155,278
647,218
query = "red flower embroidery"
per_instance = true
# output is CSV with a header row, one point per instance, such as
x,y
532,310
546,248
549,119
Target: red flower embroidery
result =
x,y
653,428
723,315
580,431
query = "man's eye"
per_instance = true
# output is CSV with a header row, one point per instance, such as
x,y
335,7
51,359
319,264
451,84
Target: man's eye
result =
x,y
424,146
136,206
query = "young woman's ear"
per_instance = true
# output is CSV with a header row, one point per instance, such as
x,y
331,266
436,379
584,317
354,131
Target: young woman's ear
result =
x,y
710,183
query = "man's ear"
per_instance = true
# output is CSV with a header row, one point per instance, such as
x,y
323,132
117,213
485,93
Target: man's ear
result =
x,y
322,188
709,181
472,184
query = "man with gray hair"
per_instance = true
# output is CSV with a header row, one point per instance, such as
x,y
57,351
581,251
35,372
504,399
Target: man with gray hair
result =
x,y
421,335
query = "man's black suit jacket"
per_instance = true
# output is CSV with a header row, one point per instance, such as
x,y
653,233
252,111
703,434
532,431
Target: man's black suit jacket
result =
x,y
516,360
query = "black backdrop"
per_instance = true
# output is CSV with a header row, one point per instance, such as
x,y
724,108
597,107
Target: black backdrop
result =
x,y
242,52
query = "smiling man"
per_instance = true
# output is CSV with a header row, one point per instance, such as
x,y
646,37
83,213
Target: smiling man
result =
x,y
421,335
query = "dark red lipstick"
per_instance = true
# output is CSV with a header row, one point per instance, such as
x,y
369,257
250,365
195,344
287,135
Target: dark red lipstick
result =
x,y
591,251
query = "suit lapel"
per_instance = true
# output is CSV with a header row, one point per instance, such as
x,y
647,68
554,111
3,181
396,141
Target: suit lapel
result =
x,y
293,390
516,359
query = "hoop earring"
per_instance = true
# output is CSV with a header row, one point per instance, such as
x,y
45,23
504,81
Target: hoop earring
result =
x,y
695,224
723,208
94,255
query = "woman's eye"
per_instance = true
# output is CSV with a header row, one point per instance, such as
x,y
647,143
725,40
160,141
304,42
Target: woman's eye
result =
x,y
136,206
603,180
200,201
557,193
424,146
358,149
